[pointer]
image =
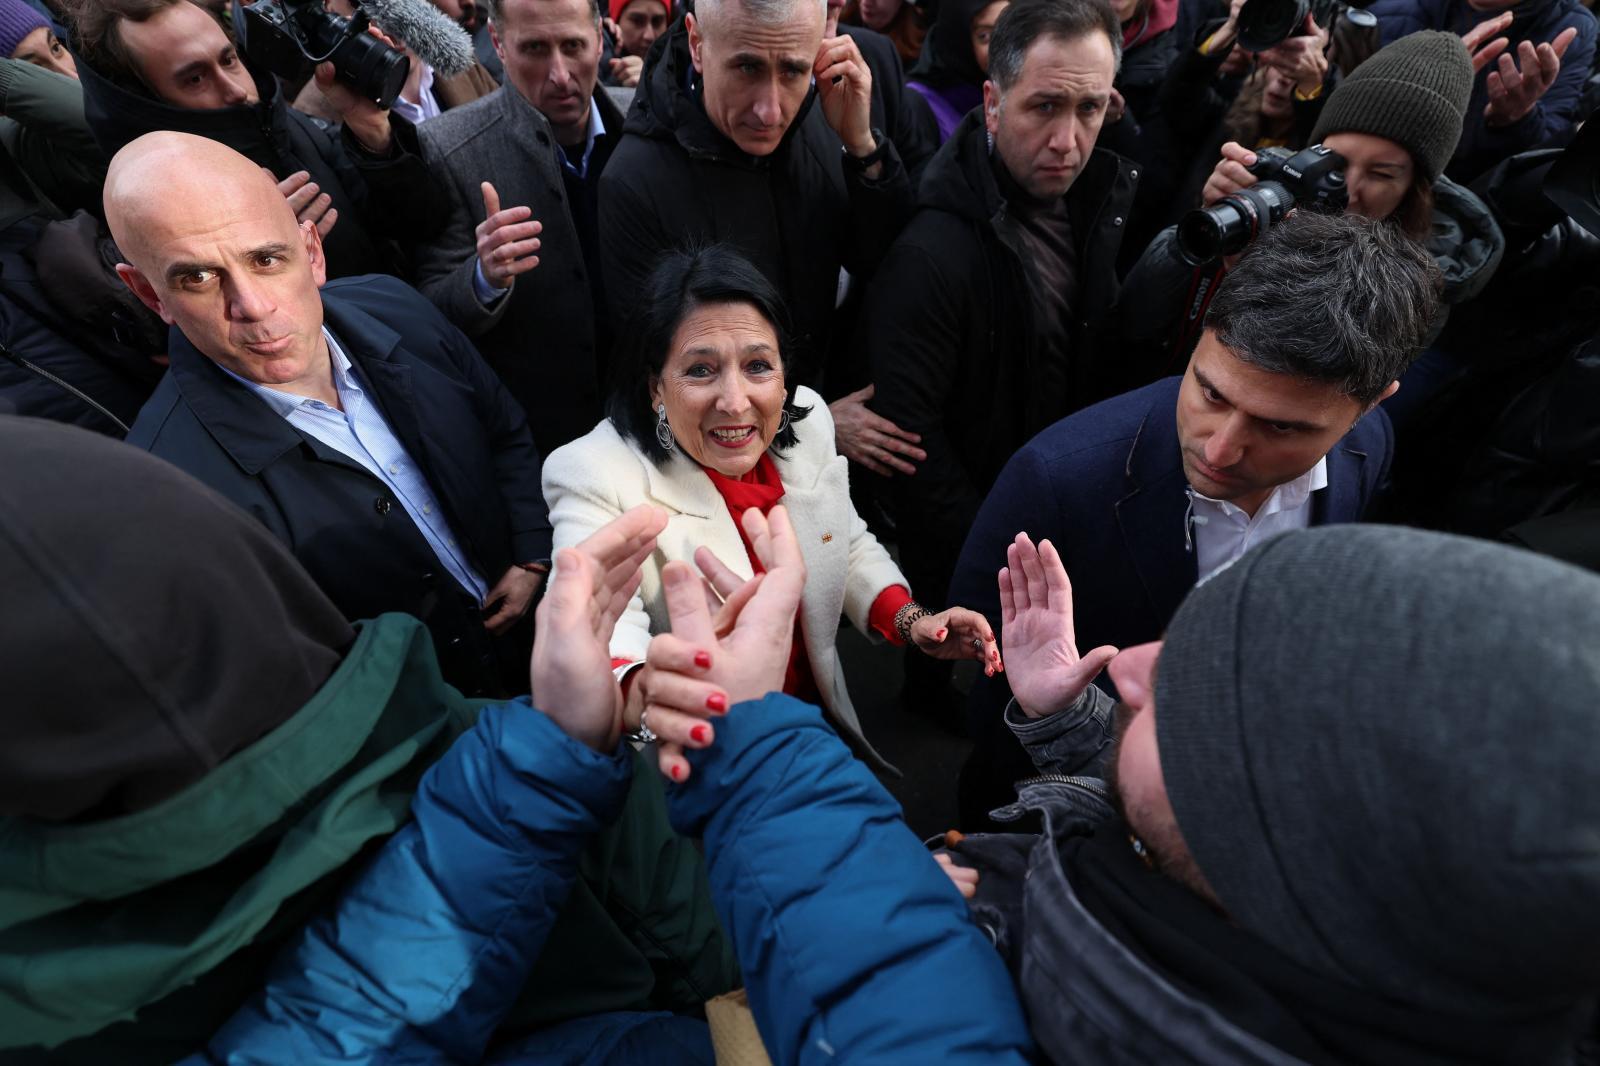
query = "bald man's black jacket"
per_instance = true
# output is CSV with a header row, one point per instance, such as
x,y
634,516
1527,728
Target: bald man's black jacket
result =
x,y
456,421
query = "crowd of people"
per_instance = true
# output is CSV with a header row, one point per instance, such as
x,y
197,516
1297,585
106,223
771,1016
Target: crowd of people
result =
x,y
446,439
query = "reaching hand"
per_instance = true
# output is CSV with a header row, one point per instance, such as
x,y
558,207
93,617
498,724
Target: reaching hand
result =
x,y
514,592
571,674
844,89
365,120
306,203
965,878
507,242
1041,647
870,439
1302,59
748,658
1515,90
958,634
1231,173
626,70
1485,53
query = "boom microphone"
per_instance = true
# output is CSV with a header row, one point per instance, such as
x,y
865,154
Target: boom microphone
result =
x,y
427,31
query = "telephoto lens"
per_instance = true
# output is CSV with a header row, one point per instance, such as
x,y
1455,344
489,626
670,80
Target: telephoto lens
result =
x,y
287,36
1227,226
1265,24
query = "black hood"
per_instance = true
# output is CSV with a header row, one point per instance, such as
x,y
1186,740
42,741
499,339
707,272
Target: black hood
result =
x,y
118,116
666,106
155,628
947,57
960,178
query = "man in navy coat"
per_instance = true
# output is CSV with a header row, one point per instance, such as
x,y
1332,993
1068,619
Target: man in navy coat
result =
x,y
1274,426
351,419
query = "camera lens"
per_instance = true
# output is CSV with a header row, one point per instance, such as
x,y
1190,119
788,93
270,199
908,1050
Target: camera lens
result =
x,y
373,69
1226,227
1266,23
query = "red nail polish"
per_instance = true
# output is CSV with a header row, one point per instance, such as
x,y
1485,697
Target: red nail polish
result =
x,y
702,659
717,702
698,734
940,635
677,771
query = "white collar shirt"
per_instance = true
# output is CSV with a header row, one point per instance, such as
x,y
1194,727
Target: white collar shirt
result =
x,y
1223,532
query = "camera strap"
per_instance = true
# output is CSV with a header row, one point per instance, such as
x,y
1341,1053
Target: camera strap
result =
x,y
1202,288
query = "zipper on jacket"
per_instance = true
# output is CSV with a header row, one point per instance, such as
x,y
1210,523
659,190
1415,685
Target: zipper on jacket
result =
x,y
1094,786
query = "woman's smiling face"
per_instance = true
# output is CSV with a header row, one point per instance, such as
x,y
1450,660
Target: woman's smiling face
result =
x,y
722,384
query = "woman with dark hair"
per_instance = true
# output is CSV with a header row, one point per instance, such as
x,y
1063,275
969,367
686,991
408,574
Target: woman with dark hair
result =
x,y
955,60
703,423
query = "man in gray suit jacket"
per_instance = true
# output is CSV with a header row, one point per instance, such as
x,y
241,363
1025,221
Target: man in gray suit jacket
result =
x,y
523,281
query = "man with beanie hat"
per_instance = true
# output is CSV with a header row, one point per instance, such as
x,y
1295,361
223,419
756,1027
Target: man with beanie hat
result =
x,y
1344,813
1273,426
1532,59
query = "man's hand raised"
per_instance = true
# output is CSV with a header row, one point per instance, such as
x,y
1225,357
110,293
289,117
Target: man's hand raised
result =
x,y
1041,649
844,89
571,673
1515,88
508,242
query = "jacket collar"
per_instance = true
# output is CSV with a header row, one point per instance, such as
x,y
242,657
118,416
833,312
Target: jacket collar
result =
x,y
252,434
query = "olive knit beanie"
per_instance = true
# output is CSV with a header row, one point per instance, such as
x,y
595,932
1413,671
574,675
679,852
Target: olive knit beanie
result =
x,y
1380,745
1413,92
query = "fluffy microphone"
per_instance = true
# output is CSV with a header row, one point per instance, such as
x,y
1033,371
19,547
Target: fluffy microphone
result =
x,y
425,30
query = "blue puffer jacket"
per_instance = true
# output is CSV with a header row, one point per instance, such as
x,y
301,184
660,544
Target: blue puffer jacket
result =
x,y
854,945
1483,146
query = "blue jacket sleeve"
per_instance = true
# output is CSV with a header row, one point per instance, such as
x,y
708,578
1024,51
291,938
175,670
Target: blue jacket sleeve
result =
x,y
855,947
431,944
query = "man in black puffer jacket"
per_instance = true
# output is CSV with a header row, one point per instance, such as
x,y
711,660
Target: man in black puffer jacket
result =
x,y
152,65
985,324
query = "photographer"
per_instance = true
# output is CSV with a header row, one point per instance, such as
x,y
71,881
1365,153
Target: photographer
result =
x,y
1394,122
153,65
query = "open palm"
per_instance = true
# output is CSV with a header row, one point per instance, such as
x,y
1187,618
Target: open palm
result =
x,y
1041,649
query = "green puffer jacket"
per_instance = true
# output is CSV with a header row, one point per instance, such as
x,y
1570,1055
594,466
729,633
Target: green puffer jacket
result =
x,y
132,939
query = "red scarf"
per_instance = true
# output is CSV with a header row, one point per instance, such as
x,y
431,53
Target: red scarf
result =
x,y
762,489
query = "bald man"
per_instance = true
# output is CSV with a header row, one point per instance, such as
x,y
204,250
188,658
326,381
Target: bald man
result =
x,y
753,128
352,419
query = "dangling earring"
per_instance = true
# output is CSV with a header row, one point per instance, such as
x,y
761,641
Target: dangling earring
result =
x,y
783,422
663,431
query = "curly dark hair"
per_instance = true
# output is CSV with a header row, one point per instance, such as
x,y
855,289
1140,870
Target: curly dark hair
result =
x,y
682,282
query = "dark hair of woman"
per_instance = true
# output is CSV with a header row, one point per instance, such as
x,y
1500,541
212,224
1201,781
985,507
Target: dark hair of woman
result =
x,y
681,283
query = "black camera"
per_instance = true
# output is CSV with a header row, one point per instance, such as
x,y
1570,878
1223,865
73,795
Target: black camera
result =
x,y
1265,24
286,35
1312,178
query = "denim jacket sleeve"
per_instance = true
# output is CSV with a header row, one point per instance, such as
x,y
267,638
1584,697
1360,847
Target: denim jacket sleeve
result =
x,y
1075,741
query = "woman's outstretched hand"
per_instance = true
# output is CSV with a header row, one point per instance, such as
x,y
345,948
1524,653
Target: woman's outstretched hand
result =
x,y
570,673
958,634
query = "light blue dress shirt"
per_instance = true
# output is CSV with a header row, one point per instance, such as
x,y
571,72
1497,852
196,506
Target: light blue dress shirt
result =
x,y
361,433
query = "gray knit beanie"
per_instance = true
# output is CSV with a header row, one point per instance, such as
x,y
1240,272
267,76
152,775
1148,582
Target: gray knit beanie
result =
x,y
17,20
1413,92
1382,747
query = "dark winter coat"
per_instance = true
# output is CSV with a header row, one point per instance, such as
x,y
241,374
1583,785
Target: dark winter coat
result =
x,y
948,330
1482,146
798,214
541,336
457,423
1107,488
372,194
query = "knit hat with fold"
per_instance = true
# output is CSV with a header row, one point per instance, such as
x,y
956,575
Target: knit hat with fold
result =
x,y
1380,745
17,20
1413,92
